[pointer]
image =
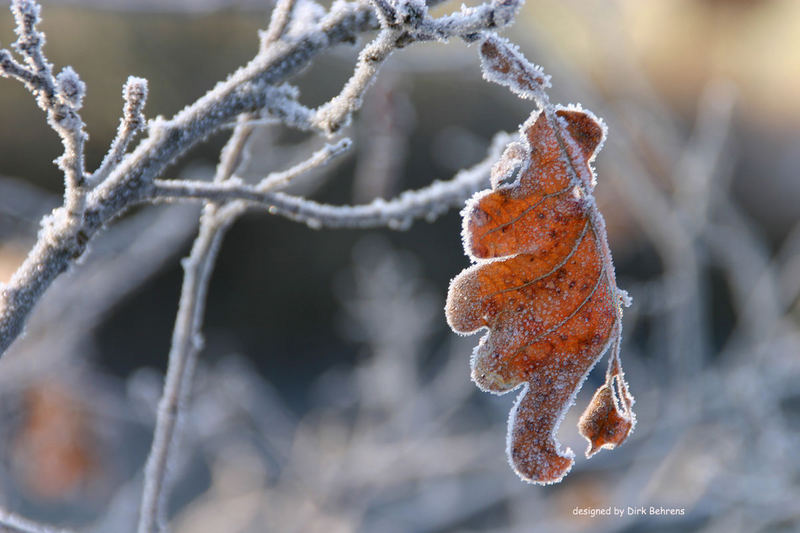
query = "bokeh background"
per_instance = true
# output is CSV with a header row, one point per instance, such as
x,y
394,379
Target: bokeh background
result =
x,y
331,395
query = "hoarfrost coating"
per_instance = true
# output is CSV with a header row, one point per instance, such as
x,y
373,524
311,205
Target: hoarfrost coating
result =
x,y
132,171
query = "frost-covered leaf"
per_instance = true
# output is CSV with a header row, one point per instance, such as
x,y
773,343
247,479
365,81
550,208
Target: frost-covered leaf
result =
x,y
605,422
543,285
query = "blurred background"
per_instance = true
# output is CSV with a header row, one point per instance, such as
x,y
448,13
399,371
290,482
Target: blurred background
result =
x,y
331,395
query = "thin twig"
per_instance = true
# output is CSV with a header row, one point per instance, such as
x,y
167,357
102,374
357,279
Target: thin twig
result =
x,y
12,523
337,113
281,15
134,94
398,213
186,338
279,180
186,342
61,97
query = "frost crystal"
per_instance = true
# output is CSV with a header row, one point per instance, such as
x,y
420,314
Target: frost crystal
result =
x,y
71,88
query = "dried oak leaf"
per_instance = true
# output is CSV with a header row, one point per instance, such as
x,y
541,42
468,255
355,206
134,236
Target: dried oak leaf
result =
x,y
543,284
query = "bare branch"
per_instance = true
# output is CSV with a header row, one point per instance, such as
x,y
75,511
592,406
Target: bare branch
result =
x,y
469,21
12,523
281,15
405,23
134,95
428,202
386,13
337,113
279,180
10,68
251,89
60,97
186,340
62,241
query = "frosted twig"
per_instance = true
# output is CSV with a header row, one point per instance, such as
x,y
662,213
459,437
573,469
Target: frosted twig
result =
x,y
386,13
279,180
186,340
523,78
428,202
404,24
30,40
134,94
232,153
12,523
469,22
10,68
59,96
281,15
252,88
337,113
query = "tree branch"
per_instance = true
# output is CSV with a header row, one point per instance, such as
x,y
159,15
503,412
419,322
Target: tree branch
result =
x,y
251,89
186,338
134,94
63,240
398,213
186,342
279,21
61,97
12,523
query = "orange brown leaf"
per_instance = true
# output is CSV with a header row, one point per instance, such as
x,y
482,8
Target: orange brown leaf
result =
x,y
543,285
53,451
604,422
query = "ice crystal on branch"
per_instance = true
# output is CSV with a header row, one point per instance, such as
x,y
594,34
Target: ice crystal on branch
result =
x,y
71,88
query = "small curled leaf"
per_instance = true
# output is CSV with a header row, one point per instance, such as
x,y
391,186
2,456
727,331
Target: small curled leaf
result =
x,y
608,420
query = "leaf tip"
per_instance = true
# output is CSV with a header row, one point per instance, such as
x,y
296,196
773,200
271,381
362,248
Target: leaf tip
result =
x,y
588,131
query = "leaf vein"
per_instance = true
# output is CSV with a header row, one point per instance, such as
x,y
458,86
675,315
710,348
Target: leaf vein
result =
x,y
529,209
563,262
